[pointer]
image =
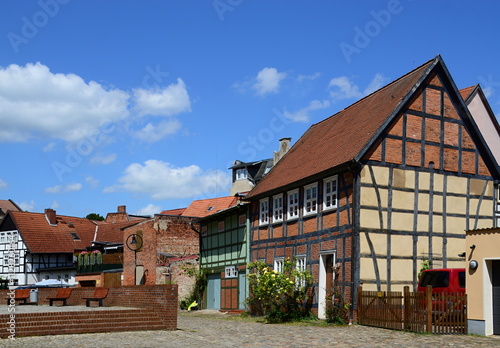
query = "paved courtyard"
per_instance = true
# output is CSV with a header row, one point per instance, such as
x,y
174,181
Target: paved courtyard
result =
x,y
209,329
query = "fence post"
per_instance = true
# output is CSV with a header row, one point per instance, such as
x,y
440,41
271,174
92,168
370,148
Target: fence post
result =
x,y
428,308
406,306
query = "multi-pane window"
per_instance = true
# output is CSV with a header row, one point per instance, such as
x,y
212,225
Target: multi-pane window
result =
x,y
241,174
300,266
330,193
278,265
310,199
293,204
220,226
242,219
264,211
278,208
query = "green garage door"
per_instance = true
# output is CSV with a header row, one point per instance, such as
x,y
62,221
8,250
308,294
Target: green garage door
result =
x,y
213,291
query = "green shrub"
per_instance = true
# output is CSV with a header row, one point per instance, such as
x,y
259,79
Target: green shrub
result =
x,y
279,296
336,309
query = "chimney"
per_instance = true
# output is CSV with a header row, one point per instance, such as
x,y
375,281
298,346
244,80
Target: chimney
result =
x,y
50,215
122,208
284,147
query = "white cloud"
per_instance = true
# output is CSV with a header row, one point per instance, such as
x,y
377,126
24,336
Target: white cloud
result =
x,y
162,180
92,182
3,185
64,188
49,147
35,102
302,115
268,81
377,82
27,206
343,88
102,159
154,132
314,76
150,210
167,101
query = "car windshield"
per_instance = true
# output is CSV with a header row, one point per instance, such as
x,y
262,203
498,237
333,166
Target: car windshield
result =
x,y
437,279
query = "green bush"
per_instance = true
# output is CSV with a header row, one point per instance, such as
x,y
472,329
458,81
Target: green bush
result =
x,y
279,296
336,309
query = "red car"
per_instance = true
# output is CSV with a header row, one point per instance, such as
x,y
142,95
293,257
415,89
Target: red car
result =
x,y
443,280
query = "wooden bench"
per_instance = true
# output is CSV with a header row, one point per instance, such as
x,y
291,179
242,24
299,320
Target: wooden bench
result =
x,y
99,295
20,295
62,294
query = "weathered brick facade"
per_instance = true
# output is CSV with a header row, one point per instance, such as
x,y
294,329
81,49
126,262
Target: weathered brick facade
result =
x,y
164,238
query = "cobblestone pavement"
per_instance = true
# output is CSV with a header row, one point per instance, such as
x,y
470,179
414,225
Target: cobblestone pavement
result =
x,y
214,330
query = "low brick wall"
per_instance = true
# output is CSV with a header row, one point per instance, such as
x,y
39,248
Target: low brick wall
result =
x,y
160,301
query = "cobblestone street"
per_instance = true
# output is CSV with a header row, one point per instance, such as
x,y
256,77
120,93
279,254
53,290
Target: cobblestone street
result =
x,y
215,330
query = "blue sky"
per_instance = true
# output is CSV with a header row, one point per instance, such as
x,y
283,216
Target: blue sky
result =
x,y
148,103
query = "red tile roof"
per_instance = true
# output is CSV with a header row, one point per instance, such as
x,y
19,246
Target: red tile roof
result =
x,y
465,92
7,205
173,211
205,207
112,232
340,138
41,237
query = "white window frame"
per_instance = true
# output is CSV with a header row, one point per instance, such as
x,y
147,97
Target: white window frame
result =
x,y
278,265
292,211
264,211
241,174
311,199
330,198
278,208
231,272
300,265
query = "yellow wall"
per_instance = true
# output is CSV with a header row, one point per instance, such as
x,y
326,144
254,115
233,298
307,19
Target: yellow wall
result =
x,y
402,219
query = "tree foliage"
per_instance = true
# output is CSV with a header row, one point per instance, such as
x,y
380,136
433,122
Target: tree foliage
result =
x,y
94,216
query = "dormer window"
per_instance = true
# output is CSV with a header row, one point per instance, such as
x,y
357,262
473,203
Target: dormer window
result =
x,y
241,174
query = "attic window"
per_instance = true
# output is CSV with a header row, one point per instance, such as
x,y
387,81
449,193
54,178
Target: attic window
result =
x,y
210,208
75,236
70,224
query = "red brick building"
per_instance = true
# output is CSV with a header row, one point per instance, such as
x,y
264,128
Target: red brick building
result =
x,y
367,195
166,245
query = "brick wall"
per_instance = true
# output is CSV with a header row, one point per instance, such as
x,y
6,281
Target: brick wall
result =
x,y
165,234
158,304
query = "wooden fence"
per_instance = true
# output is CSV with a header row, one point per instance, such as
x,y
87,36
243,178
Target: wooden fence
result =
x,y
440,313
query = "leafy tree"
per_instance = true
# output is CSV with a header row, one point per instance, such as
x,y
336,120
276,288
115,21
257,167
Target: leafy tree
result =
x,y
94,216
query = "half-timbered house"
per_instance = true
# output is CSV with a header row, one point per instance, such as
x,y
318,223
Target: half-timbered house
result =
x,y
368,195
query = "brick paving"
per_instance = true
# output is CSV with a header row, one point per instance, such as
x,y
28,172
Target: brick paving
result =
x,y
209,329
